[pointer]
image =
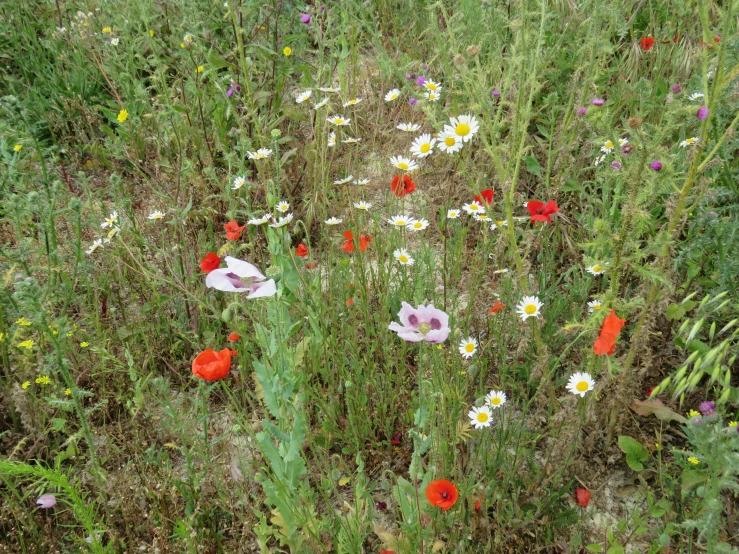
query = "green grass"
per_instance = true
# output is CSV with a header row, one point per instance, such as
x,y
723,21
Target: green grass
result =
x,y
328,429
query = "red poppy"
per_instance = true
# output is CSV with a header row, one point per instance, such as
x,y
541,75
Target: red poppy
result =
x,y
312,265
540,211
233,231
487,196
498,306
407,187
647,43
674,39
386,551
210,262
441,493
606,342
397,439
301,251
716,40
649,391
234,353
582,496
233,337
478,505
349,302
364,241
211,365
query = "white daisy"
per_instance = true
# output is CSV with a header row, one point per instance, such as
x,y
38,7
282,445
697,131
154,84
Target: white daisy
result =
x,y
453,213
110,221
156,214
408,127
474,208
333,221
498,224
423,146
352,102
363,205
431,85
351,140
418,225
261,154
480,417
401,162
403,257
112,233
432,96
689,142
343,181
599,159
449,142
282,206
361,181
282,221
696,96
596,269
400,220
622,141
97,243
321,104
499,271
115,41
392,95
607,147
481,217
238,183
329,89
464,127
530,306
594,305
580,383
303,96
331,139
495,398
188,38
338,120
259,220
468,347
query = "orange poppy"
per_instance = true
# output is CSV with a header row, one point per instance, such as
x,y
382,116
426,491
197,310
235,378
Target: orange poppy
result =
x,y
301,251
441,493
498,306
210,262
211,365
233,231
364,241
407,187
606,342
647,43
233,337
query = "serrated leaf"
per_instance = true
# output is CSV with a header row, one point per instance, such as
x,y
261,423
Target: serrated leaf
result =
x,y
532,166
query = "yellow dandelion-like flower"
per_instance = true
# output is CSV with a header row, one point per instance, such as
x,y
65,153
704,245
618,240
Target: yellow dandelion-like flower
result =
x,y
200,69
23,322
43,380
287,51
27,344
107,30
151,32
84,344
693,413
68,334
68,392
733,424
693,460
25,385
122,116
17,147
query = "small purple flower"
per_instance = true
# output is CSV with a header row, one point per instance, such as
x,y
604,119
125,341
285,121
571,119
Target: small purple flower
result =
x,y
410,76
627,149
230,92
616,165
413,102
425,67
421,80
495,92
712,214
582,111
305,18
46,501
422,323
598,101
696,420
236,87
656,166
676,88
707,408
702,113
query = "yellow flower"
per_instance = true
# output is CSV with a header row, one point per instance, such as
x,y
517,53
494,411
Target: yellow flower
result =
x,y
287,50
24,322
107,30
68,392
25,385
122,115
27,344
733,424
199,69
84,344
17,147
693,413
2,336
43,380
68,334
151,33
693,460
658,446
182,44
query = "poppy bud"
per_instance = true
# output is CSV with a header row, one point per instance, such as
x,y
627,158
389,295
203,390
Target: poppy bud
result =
x,y
583,497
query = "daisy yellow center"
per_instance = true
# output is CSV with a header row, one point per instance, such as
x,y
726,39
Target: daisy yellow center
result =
x,y
452,214
393,96
482,417
474,207
425,147
338,120
690,141
400,222
596,268
582,386
495,401
609,144
449,141
431,86
418,225
402,165
403,258
597,307
530,309
469,347
462,129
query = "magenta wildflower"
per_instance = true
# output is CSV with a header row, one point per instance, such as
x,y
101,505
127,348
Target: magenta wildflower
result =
x,y
656,165
702,113
495,92
676,88
582,111
413,102
410,76
598,101
616,165
305,18
421,80
707,408
422,323
46,501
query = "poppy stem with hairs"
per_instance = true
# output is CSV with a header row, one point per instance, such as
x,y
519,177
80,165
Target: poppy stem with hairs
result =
x,y
204,401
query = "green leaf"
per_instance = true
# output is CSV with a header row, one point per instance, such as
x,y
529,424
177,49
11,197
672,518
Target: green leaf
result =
x,y
693,477
675,312
532,165
594,548
571,185
635,452
58,423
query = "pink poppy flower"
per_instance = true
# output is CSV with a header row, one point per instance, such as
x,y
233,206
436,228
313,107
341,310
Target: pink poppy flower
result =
x,y
240,276
422,323
46,501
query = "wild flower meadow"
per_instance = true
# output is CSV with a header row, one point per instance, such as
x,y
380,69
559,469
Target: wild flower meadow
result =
x,y
369,277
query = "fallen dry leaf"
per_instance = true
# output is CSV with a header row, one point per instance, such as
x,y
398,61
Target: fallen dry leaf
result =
x,y
660,411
